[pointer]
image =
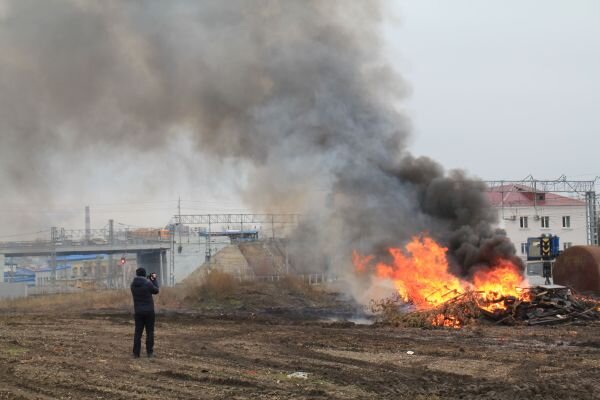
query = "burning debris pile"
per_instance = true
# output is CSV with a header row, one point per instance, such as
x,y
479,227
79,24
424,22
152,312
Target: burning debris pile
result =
x,y
459,311
546,306
534,306
429,295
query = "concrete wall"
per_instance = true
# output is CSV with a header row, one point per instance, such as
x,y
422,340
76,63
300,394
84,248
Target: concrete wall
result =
x,y
193,253
154,262
12,290
231,261
576,234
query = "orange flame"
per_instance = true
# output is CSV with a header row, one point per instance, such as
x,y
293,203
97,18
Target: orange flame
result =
x,y
496,283
420,274
423,276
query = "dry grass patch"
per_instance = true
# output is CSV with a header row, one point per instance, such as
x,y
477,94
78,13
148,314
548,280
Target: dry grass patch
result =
x,y
214,285
118,300
214,290
70,302
294,285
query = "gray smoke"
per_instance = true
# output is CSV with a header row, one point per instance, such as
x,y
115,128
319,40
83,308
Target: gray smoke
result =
x,y
300,91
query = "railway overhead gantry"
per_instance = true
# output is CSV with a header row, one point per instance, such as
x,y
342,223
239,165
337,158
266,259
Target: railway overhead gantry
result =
x,y
583,189
237,227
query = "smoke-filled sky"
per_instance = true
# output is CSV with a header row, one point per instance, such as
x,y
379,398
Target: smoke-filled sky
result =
x,y
127,105
259,103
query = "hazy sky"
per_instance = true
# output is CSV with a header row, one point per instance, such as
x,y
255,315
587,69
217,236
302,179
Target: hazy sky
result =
x,y
503,88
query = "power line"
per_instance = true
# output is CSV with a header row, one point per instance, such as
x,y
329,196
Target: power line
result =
x,y
24,234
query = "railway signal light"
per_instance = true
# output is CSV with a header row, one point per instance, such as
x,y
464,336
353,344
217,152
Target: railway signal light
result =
x,y
546,247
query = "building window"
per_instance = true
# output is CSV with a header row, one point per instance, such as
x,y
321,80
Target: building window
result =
x,y
523,248
535,269
545,222
523,222
566,222
566,245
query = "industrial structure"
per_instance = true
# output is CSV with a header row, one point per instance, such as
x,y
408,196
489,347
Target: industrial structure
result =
x,y
120,250
251,226
531,207
107,258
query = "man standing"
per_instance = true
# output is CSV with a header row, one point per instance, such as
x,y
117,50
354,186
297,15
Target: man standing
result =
x,y
142,290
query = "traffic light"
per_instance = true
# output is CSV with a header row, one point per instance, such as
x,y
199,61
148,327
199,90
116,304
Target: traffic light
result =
x,y
123,260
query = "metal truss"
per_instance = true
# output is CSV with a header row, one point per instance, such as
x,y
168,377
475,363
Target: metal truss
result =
x,y
591,217
560,185
149,234
60,237
233,219
206,219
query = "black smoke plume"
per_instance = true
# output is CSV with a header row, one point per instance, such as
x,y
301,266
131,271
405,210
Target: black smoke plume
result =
x,y
299,91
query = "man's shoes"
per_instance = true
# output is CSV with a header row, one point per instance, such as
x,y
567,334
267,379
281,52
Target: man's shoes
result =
x,y
150,355
135,356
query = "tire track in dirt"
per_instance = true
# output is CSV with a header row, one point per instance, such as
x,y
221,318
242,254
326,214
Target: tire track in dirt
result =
x,y
88,357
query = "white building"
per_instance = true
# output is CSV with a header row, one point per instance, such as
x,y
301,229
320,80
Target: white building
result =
x,y
524,213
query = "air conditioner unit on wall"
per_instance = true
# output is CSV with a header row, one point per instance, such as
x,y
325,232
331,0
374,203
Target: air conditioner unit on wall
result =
x,y
511,218
536,217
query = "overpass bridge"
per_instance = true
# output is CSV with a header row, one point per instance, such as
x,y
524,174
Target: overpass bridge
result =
x,y
149,245
27,249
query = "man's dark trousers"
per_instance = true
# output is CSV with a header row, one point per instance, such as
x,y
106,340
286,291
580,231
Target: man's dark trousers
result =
x,y
142,321
142,290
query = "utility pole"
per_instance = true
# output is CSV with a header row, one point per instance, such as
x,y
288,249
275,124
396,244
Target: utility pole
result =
x,y
242,226
88,229
179,248
208,250
287,260
110,255
53,240
172,255
591,218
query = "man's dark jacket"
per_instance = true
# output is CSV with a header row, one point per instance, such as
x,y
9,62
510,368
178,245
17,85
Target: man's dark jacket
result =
x,y
142,290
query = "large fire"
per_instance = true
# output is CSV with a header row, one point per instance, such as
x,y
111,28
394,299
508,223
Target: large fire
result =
x,y
420,274
496,283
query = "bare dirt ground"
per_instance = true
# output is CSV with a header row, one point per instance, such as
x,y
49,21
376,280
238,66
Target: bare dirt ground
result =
x,y
244,354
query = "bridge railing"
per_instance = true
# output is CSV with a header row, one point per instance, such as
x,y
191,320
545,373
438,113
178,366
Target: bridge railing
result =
x,y
62,242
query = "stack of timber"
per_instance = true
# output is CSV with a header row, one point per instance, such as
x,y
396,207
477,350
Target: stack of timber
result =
x,y
535,306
